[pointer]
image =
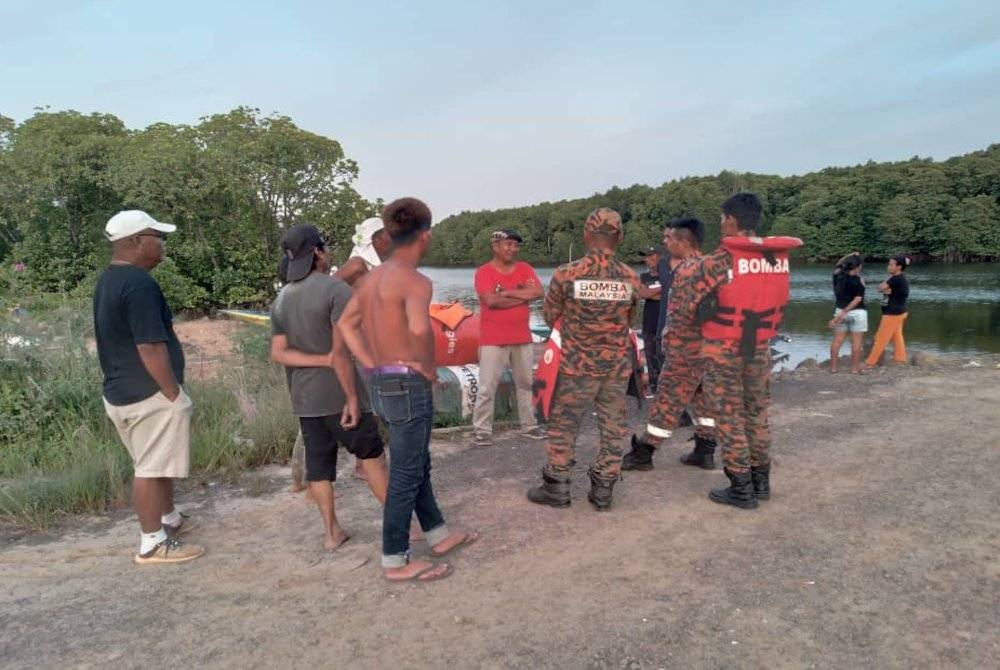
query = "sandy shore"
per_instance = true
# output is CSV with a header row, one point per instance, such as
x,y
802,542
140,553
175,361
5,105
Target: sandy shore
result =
x,y
880,548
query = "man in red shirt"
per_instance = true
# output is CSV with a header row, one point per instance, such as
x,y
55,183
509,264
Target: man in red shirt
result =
x,y
505,287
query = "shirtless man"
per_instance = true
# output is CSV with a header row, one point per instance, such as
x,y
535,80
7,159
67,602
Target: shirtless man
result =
x,y
386,325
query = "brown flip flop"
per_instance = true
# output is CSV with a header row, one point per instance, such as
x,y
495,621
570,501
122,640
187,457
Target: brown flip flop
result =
x,y
431,573
470,538
347,538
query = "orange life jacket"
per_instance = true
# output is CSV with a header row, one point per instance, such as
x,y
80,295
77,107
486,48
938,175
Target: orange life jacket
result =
x,y
751,305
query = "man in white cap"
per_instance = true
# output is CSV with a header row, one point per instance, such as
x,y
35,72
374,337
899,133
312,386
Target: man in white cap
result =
x,y
143,366
371,246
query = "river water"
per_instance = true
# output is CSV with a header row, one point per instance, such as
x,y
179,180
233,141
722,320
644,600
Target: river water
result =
x,y
954,309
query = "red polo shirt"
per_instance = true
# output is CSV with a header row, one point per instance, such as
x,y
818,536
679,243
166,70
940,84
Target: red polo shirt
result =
x,y
498,327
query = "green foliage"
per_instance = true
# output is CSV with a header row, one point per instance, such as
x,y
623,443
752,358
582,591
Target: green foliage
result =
x,y
938,211
230,183
180,291
54,193
59,454
253,344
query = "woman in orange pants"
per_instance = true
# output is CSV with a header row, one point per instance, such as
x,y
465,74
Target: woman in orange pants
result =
x,y
895,290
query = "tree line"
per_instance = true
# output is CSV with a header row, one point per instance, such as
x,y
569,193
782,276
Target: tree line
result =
x,y
233,181
933,210
230,183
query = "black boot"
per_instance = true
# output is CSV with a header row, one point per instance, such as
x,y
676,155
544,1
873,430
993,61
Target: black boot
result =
x,y
601,489
761,478
739,493
703,455
641,456
552,492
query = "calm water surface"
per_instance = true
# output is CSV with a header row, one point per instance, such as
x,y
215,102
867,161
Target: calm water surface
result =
x,y
954,309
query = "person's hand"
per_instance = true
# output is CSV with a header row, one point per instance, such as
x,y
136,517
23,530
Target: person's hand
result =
x,y
173,394
351,415
833,324
430,375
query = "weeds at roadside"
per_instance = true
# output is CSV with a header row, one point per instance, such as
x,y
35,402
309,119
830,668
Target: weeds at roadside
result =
x,y
60,455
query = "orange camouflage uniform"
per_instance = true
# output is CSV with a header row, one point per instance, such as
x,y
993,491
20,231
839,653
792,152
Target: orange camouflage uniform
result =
x,y
737,391
596,299
680,379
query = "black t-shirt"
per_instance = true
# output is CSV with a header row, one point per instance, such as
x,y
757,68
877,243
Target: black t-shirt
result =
x,y
129,309
651,307
846,288
895,302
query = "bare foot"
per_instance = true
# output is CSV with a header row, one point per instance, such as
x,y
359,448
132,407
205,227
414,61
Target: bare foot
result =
x,y
454,541
417,571
334,542
297,486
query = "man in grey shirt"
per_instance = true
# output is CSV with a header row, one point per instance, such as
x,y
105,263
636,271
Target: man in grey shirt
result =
x,y
327,394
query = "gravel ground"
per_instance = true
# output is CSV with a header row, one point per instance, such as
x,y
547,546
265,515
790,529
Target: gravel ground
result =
x,y
880,548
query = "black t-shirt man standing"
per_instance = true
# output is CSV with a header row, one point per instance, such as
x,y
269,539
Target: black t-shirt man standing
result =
x,y
143,367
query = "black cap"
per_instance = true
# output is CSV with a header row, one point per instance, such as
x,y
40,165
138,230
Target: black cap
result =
x,y
505,234
298,244
283,270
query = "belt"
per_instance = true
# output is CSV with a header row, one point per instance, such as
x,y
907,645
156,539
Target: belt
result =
x,y
393,370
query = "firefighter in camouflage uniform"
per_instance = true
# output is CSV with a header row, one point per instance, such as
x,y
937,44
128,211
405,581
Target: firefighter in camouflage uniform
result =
x,y
745,281
681,376
595,298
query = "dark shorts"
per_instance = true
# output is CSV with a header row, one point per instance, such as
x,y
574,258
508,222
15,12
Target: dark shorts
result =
x,y
322,434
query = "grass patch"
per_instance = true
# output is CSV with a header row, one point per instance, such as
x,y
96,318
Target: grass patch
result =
x,y
60,454
450,420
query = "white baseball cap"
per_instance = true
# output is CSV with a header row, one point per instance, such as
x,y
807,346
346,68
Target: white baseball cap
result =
x,y
133,221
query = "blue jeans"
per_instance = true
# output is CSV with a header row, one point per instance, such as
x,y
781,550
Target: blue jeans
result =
x,y
406,404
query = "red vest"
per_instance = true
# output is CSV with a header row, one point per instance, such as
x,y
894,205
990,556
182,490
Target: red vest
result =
x,y
752,303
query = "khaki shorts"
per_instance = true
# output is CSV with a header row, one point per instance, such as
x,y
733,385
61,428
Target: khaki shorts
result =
x,y
156,433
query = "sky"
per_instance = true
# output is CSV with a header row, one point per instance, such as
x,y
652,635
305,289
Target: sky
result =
x,y
479,105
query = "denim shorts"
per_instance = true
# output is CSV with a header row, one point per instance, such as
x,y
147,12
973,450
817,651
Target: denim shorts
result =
x,y
856,321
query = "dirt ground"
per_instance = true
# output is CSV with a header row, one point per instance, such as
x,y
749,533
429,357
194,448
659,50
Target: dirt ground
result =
x,y
880,548
207,345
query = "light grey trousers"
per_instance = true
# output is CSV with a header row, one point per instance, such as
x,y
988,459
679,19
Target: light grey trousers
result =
x,y
492,361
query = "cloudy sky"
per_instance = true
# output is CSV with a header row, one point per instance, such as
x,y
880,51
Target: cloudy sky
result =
x,y
475,105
